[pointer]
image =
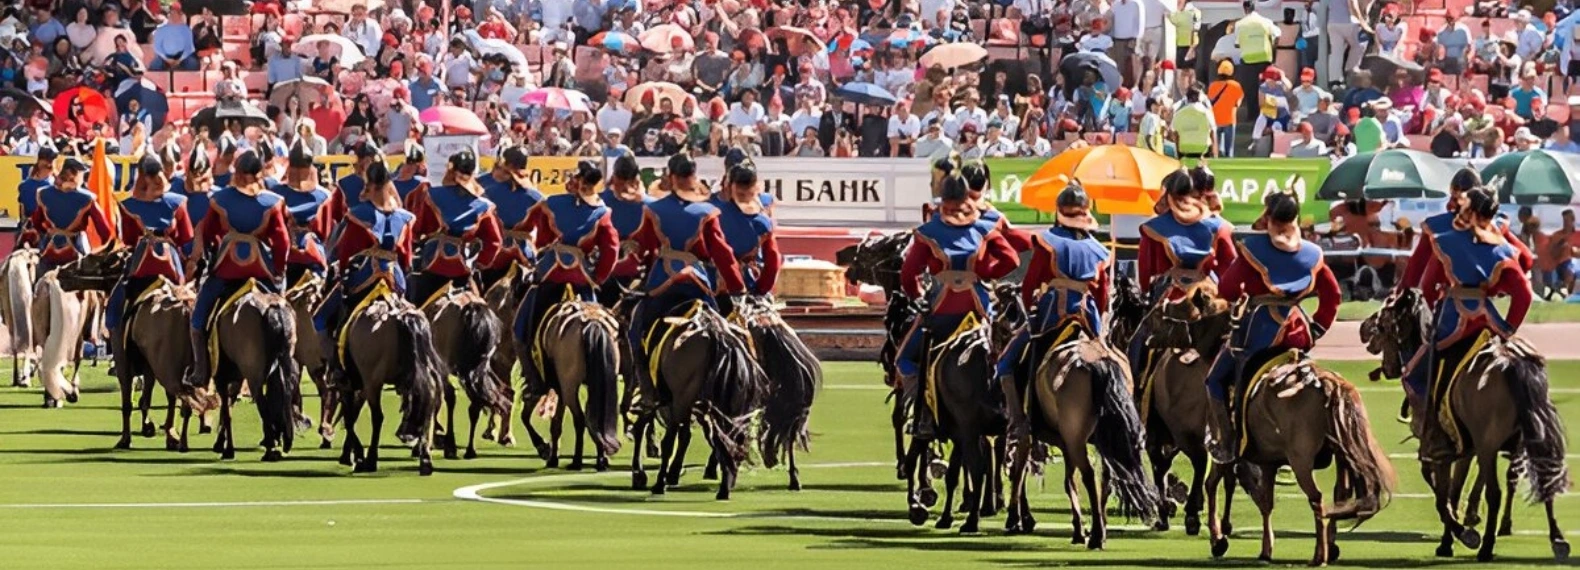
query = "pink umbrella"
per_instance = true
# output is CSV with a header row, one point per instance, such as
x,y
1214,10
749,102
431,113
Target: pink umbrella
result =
x,y
559,99
666,37
454,120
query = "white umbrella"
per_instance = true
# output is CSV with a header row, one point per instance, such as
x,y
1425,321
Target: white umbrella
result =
x,y
490,46
339,46
307,89
344,6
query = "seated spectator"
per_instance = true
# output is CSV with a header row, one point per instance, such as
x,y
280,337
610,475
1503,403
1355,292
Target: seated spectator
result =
x,y
995,144
1360,92
1526,93
80,31
934,145
747,112
970,147
121,64
1032,143
903,130
1307,95
1407,98
1274,94
808,145
229,87
172,43
1096,40
1525,141
1449,134
1305,145
1540,124
1369,135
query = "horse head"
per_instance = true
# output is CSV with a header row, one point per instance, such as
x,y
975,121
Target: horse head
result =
x,y
1397,330
1199,320
1011,312
875,260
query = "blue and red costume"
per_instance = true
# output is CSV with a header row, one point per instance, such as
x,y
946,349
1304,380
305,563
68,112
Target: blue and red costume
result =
x,y
960,258
27,194
1443,223
1173,256
512,202
157,231
197,198
1067,281
311,222
1274,281
678,239
372,246
751,239
405,186
1020,240
58,224
569,232
626,215
450,219
1466,273
250,238
348,195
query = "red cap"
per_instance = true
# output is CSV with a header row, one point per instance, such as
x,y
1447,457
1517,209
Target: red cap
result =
x,y
675,125
1341,130
1354,114
1304,128
1167,65
1271,74
401,92
1122,93
1435,75
1308,74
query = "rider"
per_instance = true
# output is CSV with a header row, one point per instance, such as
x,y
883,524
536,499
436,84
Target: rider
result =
x,y
626,199
679,235
65,210
1184,245
309,206
248,232
451,220
1275,271
1472,263
960,250
372,245
196,185
748,227
1067,283
977,180
1444,222
351,185
155,224
513,195
42,176
577,243
410,176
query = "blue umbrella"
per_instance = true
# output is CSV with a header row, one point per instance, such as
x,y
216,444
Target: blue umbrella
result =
x,y
147,95
865,94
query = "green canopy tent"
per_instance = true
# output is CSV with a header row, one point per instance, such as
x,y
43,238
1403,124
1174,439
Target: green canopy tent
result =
x,y
1386,175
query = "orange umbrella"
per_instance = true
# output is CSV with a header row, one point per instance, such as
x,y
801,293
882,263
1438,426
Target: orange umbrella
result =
x,y
1121,179
101,182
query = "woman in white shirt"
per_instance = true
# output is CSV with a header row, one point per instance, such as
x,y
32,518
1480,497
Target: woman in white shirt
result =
x,y
903,130
80,31
1389,34
1033,144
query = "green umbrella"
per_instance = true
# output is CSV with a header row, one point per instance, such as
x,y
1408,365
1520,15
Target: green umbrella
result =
x,y
1386,175
1533,176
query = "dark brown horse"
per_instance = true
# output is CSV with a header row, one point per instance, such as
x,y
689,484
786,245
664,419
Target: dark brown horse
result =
x,y
503,297
969,410
576,346
794,376
253,341
305,297
389,342
467,334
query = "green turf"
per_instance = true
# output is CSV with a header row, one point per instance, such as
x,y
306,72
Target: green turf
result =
x,y
52,459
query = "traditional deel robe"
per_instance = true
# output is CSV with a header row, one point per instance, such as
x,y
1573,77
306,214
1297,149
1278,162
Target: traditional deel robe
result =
x,y
1443,223
626,215
1174,255
249,237
1068,282
374,248
197,199
679,239
405,186
157,231
569,233
311,222
752,241
512,202
59,223
1466,273
1273,281
961,259
1020,240
27,195
451,219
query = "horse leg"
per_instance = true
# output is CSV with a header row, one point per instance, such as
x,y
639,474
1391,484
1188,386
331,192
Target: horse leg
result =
x,y
1512,476
124,376
993,481
795,472
912,471
672,473
1094,493
186,420
473,411
1554,535
556,428
710,472
1078,532
666,451
1217,536
1487,465
272,433
350,454
1193,499
641,430
529,402
1264,502
1308,485
976,456
376,415
1470,515
1229,484
951,482
1160,471
328,400
897,419
579,422
449,421
1018,519
145,404
170,420
727,467
226,437
1447,479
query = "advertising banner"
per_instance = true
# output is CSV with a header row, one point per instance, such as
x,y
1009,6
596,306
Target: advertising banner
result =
x,y
829,191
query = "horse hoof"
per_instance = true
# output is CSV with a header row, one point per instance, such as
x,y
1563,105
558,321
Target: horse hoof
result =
x,y
937,469
970,527
1445,551
723,495
658,489
1484,556
988,512
1265,558
273,456
171,444
1220,546
124,443
1028,524
544,452
945,522
1077,538
182,448
325,444
710,475
205,429
451,454
928,497
1560,550
227,455
470,454
488,435
71,397
638,481
601,465
425,468
1095,542
899,474
369,466
1333,553
346,460
1506,530
672,480
918,515
508,441
1228,527
576,466
1471,519
552,463
795,485
1166,509
1192,525
1470,538
148,430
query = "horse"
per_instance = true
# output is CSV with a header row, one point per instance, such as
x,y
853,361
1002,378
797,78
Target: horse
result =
x,y
467,334
1080,394
16,303
968,409
1295,413
503,297
305,297
576,345
1127,311
1496,402
794,377
62,318
702,370
253,341
389,342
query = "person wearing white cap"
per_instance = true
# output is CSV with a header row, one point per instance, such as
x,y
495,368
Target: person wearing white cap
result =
x,y
1524,140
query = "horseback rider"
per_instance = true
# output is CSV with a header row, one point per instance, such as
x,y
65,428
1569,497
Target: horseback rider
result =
x,y
351,185
225,158
513,195
1444,222
196,185
1067,285
961,251
1275,271
626,199
679,235
1184,245
42,176
977,180
65,210
748,227
410,176
1472,263
577,245
372,246
248,231
452,219
155,224
309,205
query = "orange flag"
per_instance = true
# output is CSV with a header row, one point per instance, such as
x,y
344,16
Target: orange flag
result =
x,y
101,182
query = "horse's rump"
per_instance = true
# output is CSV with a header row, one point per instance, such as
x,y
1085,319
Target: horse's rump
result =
x,y
1541,449
794,376
968,346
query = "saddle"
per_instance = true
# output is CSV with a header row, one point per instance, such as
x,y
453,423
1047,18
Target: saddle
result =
x,y
380,290
1069,338
971,327
151,293
662,332
1288,371
231,295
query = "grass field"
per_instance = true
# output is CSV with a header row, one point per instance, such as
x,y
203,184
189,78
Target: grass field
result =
x,y
1540,313
68,501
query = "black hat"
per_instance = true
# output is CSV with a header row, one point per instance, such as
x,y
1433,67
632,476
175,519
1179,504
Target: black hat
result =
x,y
588,173
1073,196
378,173
150,165
414,154
513,157
735,155
954,189
743,173
464,162
73,164
626,168
198,161
682,165
299,157
364,149
47,153
249,163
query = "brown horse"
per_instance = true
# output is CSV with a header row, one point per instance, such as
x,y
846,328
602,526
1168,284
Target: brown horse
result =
x,y
794,376
969,410
253,340
576,345
1298,414
16,309
389,342
503,297
305,297
1079,395
467,334
1496,402
702,371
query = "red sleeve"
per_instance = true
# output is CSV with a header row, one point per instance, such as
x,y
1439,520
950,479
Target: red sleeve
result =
x,y
1512,282
606,242
1102,286
772,261
1150,261
1037,274
723,258
998,257
1232,281
98,222
646,237
37,224
1416,267
346,243
1526,259
1328,298
1224,251
180,227
278,236
917,259
131,229
537,222
427,220
416,198
1018,239
489,236
324,221
1433,281
337,205
403,249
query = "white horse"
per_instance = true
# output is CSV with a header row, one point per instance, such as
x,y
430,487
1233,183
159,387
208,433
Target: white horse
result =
x,y
61,318
16,303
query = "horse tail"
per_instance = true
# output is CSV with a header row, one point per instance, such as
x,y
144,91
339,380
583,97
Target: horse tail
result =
x,y
1358,458
473,367
1120,437
1543,443
20,317
284,376
602,363
738,385
61,340
794,376
423,381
